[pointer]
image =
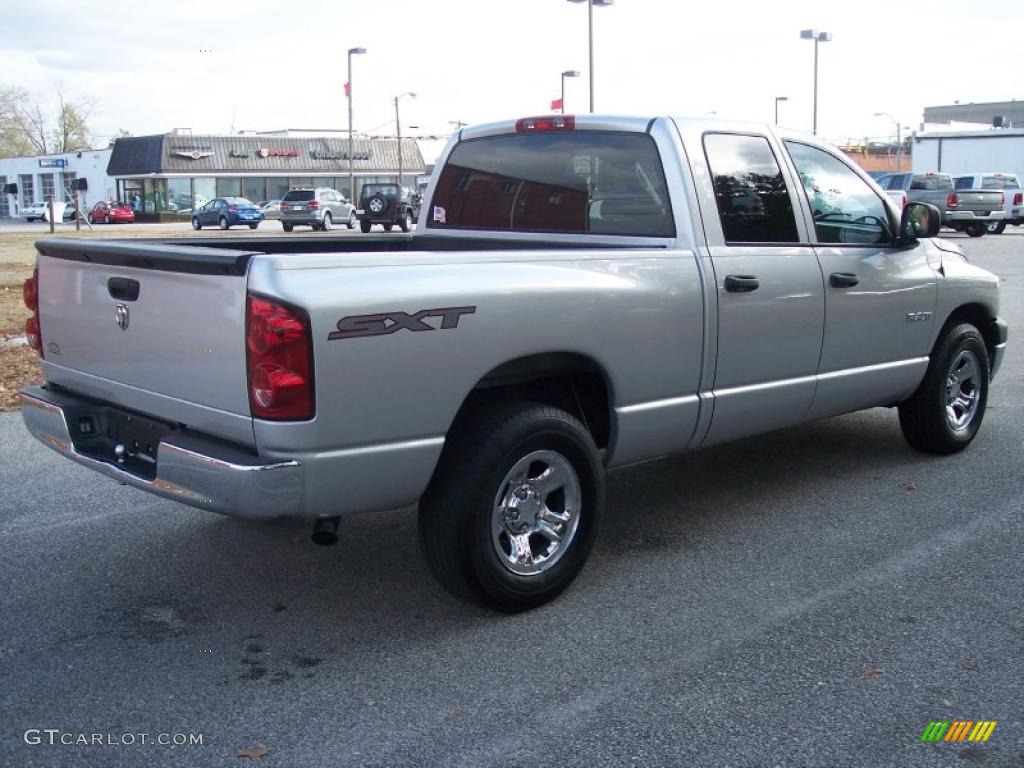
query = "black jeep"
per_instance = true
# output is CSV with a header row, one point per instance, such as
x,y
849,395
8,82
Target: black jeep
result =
x,y
386,204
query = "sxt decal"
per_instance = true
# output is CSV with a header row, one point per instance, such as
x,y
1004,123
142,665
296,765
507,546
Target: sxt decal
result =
x,y
382,324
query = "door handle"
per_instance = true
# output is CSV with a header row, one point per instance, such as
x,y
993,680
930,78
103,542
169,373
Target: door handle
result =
x,y
843,280
123,288
741,283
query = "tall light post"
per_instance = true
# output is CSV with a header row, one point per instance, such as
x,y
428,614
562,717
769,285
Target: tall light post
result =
x,y
590,38
777,100
817,37
567,73
398,130
351,151
899,142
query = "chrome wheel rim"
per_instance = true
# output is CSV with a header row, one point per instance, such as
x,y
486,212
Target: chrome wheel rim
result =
x,y
963,390
536,513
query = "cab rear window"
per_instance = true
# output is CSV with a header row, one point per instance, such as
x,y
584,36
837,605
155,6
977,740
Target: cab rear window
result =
x,y
585,182
999,182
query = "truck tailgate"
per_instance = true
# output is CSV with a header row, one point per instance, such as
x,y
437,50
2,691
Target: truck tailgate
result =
x,y
155,328
979,200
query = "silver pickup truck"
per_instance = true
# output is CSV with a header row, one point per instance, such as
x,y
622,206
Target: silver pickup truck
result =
x,y
972,211
581,293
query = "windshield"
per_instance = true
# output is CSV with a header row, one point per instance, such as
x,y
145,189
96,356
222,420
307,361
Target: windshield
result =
x,y
581,182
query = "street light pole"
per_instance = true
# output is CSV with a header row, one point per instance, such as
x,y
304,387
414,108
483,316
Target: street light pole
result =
x,y
567,73
777,100
590,39
398,130
351,151
817,37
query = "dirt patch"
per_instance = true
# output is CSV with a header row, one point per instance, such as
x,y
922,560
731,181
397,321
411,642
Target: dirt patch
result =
x,y
19,368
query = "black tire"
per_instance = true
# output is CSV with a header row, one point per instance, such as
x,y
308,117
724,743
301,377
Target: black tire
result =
x,y
364,226
287,227
456,512
406,222
975,229
253,226
388,227
923,417
351,223
106,220
223,223
327,223
195,224
996,227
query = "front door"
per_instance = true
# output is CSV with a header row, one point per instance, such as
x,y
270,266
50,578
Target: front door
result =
x,y
770,298
879,299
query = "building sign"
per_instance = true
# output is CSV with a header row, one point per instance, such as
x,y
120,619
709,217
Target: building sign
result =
x,y
192,151
58,163
265,152
323,154
241,153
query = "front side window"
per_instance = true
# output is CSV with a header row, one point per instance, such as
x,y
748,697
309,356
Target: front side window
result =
x,y
580,182
753,201
844,207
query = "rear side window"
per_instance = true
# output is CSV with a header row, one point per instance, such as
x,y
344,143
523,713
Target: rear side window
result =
x,y
585,182
298,196
753,201
999,182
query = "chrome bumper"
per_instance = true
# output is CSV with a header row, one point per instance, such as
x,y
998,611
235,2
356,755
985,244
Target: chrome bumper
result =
x,y
191,470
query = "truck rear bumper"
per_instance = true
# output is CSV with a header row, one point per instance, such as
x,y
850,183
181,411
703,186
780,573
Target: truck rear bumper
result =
x,y
201,472
966,216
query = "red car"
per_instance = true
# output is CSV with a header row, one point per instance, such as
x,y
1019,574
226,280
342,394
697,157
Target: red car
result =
x,y
111,212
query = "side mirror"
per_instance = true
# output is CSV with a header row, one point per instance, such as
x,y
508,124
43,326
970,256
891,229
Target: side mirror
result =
x,y
919,220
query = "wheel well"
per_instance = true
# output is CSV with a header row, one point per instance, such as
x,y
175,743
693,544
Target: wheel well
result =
x,y
572,382
981,318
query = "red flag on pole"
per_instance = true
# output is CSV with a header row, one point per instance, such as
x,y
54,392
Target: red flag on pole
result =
x,y
348,91
556,104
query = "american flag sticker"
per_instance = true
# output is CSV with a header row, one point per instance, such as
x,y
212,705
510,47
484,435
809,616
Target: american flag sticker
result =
x,y
439,215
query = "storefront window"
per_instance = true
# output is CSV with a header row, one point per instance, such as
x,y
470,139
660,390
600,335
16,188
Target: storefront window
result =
x,y
254,189
204,190
46,181
179,195
161,204
65,179
323,181
300,181
131,193
276,188
229,186
26,190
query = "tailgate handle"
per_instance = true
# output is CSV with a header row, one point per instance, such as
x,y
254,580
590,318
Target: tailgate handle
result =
x,y
123,288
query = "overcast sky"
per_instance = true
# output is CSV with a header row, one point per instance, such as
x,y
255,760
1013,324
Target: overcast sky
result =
x,y
260,64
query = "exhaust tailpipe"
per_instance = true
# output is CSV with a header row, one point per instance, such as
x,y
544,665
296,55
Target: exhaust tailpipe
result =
x,y
325,531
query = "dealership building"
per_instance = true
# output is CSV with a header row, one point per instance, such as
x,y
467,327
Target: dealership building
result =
x,y
25,180
166,176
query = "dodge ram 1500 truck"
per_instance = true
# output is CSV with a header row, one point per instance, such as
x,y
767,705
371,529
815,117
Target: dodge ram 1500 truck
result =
x,y
581,293
970,210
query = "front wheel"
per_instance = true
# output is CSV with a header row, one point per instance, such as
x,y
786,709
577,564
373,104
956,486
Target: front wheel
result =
x,y
106,220
996,227
513,508
328,223
406,222
287,227
351,223
195,223
946,411
977,229
364,226
388,227
253,226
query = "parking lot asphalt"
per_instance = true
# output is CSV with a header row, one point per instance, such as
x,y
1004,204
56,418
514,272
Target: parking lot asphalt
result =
x,y
812,597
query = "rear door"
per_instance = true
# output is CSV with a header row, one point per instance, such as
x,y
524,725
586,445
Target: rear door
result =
x,y
879,299
771,305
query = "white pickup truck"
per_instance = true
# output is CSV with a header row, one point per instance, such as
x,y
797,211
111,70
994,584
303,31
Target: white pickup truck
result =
x,y
581,293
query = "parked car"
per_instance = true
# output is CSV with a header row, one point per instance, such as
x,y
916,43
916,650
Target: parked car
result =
x,y
225,212
271,209
320,208
964,211
1008,184
386,204
41,211
584,292
111,212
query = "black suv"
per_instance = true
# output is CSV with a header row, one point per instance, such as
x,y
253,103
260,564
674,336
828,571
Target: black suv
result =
x,y
386,204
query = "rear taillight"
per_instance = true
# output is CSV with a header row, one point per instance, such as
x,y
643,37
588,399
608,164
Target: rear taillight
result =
x,y
279,361
30,292
546,124
906,200
283,206
313,204
952,201
1018,199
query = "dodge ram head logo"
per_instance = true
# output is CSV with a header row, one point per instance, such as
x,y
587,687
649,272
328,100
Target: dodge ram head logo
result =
x,y
385,323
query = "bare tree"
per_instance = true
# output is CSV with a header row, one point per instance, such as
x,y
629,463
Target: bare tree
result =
x,y
71,132
25,128
14,141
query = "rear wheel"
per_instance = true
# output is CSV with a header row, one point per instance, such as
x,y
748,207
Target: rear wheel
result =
x,y
223,223
364,226
195,222
976,229
406,222
287,227
946,411
996,227
512,511
327,223
253,226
